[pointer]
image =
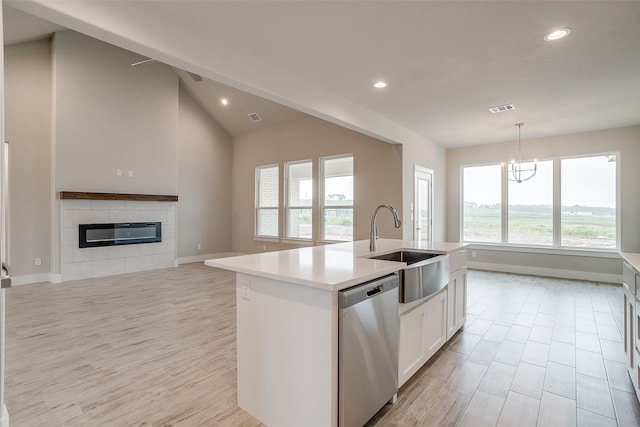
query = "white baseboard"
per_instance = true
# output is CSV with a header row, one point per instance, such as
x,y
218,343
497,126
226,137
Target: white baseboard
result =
x,y
202,258
57,278
32,278
547,272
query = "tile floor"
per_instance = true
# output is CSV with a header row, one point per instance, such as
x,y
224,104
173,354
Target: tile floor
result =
x,y
158,349
534,352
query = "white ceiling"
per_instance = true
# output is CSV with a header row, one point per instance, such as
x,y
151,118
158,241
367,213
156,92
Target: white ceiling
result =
x,y
20,27
446,62
234,117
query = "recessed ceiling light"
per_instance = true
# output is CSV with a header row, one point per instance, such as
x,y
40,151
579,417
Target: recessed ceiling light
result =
x,y
380,84
557,34
224,101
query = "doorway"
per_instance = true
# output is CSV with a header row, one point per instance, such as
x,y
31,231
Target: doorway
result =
x,y
423,204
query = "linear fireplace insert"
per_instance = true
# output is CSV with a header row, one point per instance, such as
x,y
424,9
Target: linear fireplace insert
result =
x,y
121,233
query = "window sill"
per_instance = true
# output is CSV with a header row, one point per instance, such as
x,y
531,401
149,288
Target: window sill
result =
x,y
302,242
331,242
585,252
266,239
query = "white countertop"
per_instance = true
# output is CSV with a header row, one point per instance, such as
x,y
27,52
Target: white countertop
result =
x,y
331,267
633,259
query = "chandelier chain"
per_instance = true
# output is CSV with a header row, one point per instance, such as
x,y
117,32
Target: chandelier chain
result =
x,y
516,170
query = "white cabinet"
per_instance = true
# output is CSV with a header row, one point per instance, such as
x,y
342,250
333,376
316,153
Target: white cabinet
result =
x,y
457,293
630,278
423,330
412,342
425,327
437,323
457,296
629,320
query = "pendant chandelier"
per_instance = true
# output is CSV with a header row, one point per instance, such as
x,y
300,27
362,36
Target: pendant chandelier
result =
x,y
518,172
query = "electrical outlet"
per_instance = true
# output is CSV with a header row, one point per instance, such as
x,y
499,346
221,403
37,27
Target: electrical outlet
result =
x,y
130,174
246,290
118,172
473,254
38,261
264,247
199,246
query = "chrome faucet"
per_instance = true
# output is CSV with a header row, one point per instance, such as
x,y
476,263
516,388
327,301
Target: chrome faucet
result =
x,y
373,236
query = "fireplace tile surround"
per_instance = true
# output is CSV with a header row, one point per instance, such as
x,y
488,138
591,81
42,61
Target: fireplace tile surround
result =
x,y
82,263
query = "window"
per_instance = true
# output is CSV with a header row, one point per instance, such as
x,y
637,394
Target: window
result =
x,y
482,204
588,217
531,208
569,203
299,201
267,201
336,222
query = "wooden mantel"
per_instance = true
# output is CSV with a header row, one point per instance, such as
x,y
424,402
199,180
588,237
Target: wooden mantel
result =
x,y
81,195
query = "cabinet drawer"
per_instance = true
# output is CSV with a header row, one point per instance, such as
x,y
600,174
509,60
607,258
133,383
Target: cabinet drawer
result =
x,y
629,278
457,260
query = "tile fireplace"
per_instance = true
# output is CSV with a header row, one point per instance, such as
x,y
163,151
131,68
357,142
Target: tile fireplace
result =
x,y
107,225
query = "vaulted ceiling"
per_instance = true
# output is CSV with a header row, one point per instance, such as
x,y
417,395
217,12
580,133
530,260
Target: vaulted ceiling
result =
x,y
446,62
21,27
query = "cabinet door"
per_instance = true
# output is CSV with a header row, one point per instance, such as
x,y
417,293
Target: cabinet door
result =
x,y
411,340
629,278
461,298
457,305
635,373
629,336
437,323
636,327
423,331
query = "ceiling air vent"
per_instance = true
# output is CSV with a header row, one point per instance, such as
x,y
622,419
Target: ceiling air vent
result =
x,y
502,108
254,117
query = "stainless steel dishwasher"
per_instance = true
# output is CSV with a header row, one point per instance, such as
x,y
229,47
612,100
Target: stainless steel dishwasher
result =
x,y
367,349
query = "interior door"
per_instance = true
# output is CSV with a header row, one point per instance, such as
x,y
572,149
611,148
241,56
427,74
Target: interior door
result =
x,y
423,204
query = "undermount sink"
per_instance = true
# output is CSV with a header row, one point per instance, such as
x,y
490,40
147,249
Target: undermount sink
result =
x,y
425,273
409,257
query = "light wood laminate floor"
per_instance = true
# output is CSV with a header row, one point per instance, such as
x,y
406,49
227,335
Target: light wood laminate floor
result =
x,y
158,349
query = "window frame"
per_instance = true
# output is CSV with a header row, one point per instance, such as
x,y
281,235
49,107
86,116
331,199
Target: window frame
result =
x,y
502,208
510,232
287,207
322,206
557,208
617,202
258,208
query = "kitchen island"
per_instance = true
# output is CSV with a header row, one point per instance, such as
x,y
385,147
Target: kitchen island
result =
x,y
287,324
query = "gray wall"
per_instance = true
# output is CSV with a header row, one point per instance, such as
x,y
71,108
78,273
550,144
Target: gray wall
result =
x,y
28,128
377,174
106,110
204,182
107,116
625,141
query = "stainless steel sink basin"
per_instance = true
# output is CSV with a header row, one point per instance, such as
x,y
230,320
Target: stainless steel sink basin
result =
x,y
409,257
425,273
